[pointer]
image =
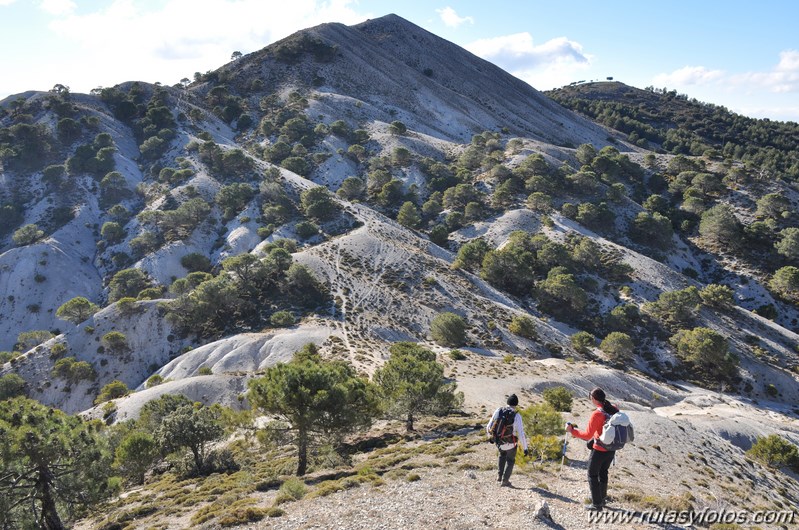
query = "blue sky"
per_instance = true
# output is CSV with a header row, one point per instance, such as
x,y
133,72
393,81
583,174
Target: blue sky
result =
x,y
743,55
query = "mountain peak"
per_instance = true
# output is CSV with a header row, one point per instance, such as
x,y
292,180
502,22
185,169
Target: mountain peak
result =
x,y
400,71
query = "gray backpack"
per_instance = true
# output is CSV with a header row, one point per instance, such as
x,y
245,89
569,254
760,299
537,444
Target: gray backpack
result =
x,y
617,431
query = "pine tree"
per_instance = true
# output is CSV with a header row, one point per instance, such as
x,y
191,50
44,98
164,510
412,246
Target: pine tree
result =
x,y
413,383
408,215
320,401
50,463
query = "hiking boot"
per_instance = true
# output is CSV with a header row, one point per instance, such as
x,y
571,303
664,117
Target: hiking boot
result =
x,y
593,508
499,479
506,484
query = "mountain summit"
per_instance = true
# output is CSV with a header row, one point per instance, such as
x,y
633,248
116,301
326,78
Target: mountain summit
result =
x,y
403,72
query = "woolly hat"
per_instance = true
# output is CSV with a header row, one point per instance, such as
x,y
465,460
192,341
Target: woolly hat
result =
x,y
513,400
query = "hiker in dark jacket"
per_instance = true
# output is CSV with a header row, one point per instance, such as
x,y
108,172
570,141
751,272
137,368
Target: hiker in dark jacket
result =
x,y
509,439
600,459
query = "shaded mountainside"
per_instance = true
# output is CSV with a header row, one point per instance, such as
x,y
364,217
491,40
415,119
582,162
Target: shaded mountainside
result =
x,y
349,185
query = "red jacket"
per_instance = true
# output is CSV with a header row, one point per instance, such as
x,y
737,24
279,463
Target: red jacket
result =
x,y
594,429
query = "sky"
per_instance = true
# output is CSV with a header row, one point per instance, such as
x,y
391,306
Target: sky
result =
x,y
740,54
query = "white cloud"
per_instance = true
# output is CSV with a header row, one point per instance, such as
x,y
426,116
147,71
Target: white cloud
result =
x,y
688,75
57,7
6,2
548,65
518,52
451,19
789,113
783,78
125,40
762,94
789,61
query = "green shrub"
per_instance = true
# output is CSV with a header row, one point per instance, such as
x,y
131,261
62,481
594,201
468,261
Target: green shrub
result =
x,y
582,341
719,226
719,296
11,385
282,319
618,346
6,356
448,329
706,350
785,283
439,235
73,371
127,305
115,341
471,255
113,390
293,488
412,384
523,326
559,397
154,380
233,198
318,203
561,295
675,308
542,419
767,311
306,229
151,293
775,451
112,232
58,350
652,229
296,164
30,339
205,370
457,355
265,231
76,310
196,262
127,282
545,447
397,127
241,515
408,215
27,234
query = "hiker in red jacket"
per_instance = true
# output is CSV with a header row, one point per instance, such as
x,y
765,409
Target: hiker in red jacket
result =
x,y
600,459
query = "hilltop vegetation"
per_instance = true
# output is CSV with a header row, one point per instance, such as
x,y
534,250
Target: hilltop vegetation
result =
x,y
663,120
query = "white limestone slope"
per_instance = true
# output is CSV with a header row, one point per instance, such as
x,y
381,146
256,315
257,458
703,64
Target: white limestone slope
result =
x,y
150,345
245,352
36,279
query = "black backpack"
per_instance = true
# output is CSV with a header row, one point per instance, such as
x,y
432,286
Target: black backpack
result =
x,y
502,430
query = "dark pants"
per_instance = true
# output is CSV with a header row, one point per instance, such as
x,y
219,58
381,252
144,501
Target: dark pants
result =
x,y
506,461
598,465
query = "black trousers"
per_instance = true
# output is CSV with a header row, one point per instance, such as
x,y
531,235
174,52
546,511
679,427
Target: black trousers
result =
x,y
598,465
507,459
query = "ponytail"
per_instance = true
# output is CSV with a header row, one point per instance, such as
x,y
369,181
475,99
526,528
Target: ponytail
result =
x,y
599,395
609,408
